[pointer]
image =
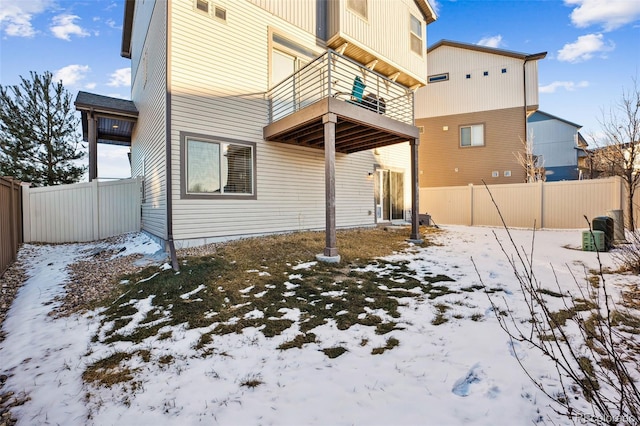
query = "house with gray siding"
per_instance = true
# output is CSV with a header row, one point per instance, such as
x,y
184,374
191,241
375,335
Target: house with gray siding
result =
x,y
557,144
263,116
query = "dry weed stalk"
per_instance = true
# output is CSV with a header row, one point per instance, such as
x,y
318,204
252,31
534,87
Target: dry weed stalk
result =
x,y
592,365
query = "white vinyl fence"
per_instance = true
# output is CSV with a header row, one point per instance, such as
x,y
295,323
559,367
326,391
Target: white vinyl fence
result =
x,y
81,211
560,205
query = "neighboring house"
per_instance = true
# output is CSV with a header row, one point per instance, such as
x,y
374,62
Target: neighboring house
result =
x,y
264,116
557,144
473,114
609,160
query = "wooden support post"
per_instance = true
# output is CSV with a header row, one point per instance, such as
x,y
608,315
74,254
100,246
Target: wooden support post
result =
x,y
415,193
329,121
93,145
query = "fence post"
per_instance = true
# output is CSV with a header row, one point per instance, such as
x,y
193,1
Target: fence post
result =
x,y
26,213
541,206
96,209
470,204
12,218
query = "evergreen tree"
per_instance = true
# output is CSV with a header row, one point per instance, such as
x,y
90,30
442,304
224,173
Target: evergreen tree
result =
x,y
39,139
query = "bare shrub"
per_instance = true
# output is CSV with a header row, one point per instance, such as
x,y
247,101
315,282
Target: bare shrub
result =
x,y
592,354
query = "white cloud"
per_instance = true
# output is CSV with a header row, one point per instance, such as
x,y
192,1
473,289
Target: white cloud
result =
x,y
495,41
112,24
584,48
569,86
90,86
71,74
120,77
15,17
64,26
610,14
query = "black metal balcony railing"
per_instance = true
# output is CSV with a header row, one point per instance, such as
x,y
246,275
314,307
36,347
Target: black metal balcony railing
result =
x,y
335,75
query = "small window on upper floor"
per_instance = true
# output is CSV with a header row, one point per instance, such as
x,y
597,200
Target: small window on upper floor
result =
x,y
416,35
438,77
359,7
202,6
220,13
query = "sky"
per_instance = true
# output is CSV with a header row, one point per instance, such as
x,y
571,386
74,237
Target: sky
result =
x,y
593,49
462,371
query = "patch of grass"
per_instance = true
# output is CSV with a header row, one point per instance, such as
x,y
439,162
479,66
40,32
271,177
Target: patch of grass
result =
x,y
628,322
477,317
112,370
334,352
166,360
298,341
579,305
253,283
440,317
252,381
550,292
392,342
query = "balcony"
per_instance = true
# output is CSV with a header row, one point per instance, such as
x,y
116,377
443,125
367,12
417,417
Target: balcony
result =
x,y
371,110
339,105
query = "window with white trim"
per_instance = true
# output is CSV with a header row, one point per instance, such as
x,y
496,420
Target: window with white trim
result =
x,y
218,167
416,35
472,135
202,6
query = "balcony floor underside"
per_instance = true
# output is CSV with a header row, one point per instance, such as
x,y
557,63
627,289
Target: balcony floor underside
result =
x,y
357,128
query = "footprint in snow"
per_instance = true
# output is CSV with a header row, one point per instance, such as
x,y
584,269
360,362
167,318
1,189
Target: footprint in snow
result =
x,y
478,378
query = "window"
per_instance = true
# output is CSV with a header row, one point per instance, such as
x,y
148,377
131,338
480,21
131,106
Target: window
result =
x,y
416,35
220,13
438,77
359,7
202,6
217,167
486,73
472,135
504,70
468,76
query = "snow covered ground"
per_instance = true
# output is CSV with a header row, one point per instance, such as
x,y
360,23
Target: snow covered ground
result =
x,y
460,372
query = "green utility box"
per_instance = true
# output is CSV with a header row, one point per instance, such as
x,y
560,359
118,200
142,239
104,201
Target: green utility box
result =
x,y
592,240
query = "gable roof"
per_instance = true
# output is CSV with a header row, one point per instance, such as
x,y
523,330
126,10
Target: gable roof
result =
x,y
553,117
485,49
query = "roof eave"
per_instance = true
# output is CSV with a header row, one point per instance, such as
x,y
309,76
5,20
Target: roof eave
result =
x,y
428,12
485,49
127,27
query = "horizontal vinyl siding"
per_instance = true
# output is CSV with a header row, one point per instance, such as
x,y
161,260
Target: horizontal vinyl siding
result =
x,y
555,141
148,93
440,152
386,32
460,95
217,90
303,15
